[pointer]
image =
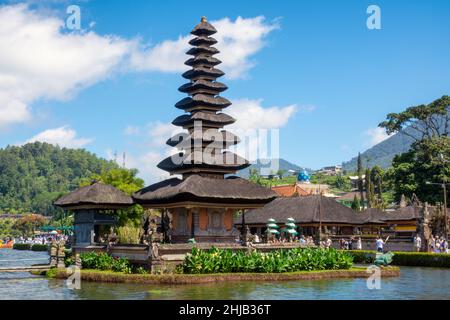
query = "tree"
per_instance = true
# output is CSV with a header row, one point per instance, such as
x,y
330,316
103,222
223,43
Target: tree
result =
x,y
370,195
29,223
412,170
34,175
360,179
281,173
430,121
356,205
127,181
427,159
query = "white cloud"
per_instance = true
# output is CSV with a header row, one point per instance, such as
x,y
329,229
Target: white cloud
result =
x,y
39,61
63,136
376,135
132,131
250,114
237,40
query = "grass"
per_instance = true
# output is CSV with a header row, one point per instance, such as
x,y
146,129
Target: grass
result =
x,y
120,277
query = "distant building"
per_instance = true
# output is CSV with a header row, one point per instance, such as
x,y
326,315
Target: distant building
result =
x,y
354,181
331,171
300,189
347,198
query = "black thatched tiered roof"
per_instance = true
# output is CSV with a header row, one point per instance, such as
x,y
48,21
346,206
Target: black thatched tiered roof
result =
x,y
95,195
196,188
203,108
203,160
310,209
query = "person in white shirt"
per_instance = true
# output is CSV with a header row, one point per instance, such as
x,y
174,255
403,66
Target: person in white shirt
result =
x,y
417,243
379,243
359,244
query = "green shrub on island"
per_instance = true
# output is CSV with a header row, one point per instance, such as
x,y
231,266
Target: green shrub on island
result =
x,y
22,246
401,258
226,261
39,247
103,261
29,246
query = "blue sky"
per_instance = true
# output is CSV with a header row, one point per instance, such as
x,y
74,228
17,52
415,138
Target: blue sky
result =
x,y
311,69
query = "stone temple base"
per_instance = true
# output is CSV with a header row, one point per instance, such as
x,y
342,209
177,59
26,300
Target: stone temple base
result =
x,y
204,239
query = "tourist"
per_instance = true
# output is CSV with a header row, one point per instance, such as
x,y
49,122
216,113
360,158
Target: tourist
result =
x,y
342,244
417,243
329,243
350,243
445,246
431,244
379,244
359,244
256,238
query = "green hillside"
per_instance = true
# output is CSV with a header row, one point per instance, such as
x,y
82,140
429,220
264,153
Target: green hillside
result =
x,y
34,175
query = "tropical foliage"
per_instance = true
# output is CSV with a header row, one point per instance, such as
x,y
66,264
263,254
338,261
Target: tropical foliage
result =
x,y
127,181
129,234
418,259
29,223
103,261
34,175
226,261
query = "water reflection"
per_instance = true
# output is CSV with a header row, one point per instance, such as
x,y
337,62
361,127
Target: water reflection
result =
x,y
414,283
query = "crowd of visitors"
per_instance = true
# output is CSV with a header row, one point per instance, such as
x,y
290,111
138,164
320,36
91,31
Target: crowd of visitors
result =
x,y
437,244
42,239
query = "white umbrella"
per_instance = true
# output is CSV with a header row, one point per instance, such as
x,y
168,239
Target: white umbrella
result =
x,y
291,225
54,232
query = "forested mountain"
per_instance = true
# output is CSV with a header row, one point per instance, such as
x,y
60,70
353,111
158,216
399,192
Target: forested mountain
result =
x,y
382,153
261,163
32,176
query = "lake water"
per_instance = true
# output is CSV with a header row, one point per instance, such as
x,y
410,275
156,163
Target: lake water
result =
x,y
414,283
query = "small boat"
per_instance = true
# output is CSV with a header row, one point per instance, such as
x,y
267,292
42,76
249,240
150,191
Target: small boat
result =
x,y
8,245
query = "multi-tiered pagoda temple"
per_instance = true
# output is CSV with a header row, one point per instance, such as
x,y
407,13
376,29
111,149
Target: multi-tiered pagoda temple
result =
x,y
201,204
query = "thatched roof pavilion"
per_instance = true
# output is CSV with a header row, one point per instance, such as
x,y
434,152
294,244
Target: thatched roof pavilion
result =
x,y
311,209
89,204
97,195
201,204
233,191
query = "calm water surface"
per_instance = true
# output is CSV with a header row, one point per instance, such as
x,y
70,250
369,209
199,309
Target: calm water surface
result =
x,y
414,283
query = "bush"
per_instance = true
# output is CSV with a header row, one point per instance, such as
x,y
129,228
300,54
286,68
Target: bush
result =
x,y
226,261
416,259
39,247
129,234
22,246
362,256
103,261
422,259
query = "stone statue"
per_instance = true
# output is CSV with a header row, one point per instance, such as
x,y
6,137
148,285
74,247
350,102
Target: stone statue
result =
x,y
403,203
53,253
383,259
60,254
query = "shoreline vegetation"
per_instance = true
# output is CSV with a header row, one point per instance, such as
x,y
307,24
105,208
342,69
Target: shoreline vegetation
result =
x,y
401,258
121,277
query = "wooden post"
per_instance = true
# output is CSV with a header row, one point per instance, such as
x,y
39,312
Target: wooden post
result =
x,y
243,226
189,211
